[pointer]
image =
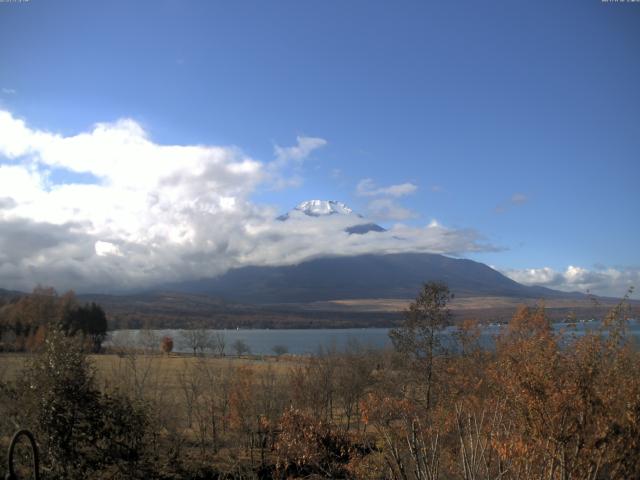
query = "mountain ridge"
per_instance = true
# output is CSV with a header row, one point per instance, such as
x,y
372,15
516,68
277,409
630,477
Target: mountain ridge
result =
x,y
398,275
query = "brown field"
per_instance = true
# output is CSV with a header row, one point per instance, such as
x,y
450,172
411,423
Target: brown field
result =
x,y
169,367
464,303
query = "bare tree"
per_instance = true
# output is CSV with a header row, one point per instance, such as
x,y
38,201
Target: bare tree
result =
x,y
207,340
241,347
353,377
280,350
219,343
199,340
193,339
121,342
417,338
148,340
190,387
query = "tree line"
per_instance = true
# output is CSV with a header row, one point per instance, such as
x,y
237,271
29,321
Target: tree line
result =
x,y
25,320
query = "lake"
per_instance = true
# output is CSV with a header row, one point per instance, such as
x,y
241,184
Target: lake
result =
x,y
309,341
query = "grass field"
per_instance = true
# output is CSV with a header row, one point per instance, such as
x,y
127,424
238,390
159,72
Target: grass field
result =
x,y
170,367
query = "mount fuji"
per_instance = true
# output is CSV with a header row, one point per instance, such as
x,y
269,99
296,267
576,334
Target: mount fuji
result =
x,y
321,208
394,275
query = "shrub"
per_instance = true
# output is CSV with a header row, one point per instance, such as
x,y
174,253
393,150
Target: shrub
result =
x,y
166,345
308,447
80,430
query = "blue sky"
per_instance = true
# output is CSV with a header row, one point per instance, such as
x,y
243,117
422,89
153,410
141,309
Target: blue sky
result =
x,y
519,121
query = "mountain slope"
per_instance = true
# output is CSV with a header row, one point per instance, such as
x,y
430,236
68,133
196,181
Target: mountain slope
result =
x,y
363,276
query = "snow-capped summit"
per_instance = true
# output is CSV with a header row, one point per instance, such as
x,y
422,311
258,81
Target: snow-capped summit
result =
x,y
322,208
318,208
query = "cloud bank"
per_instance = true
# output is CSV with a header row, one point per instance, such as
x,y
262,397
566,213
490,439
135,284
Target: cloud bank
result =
x,y
612,282
109,209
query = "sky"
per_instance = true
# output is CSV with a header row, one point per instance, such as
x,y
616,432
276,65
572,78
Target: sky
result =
x,y
148,142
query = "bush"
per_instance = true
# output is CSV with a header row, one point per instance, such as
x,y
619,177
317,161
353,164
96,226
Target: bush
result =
x,y
166,345
308,447
80,430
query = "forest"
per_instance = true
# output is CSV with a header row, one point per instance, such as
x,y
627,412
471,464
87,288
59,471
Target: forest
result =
x,y
540,405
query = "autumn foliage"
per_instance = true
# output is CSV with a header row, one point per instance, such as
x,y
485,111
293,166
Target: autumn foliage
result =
x,y
25,320
537,403
166,344
541,405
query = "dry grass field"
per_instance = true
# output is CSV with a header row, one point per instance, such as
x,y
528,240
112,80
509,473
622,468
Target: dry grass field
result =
x,y
466,303
170,367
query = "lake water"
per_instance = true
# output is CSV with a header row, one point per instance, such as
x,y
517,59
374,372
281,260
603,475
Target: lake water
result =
x,y
303,342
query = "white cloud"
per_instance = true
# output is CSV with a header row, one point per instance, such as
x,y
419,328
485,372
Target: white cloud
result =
x,y
388,209
302,237
8,91
602,281
299,152
283,172
535,276
106,248
162,213
368,188
383,205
